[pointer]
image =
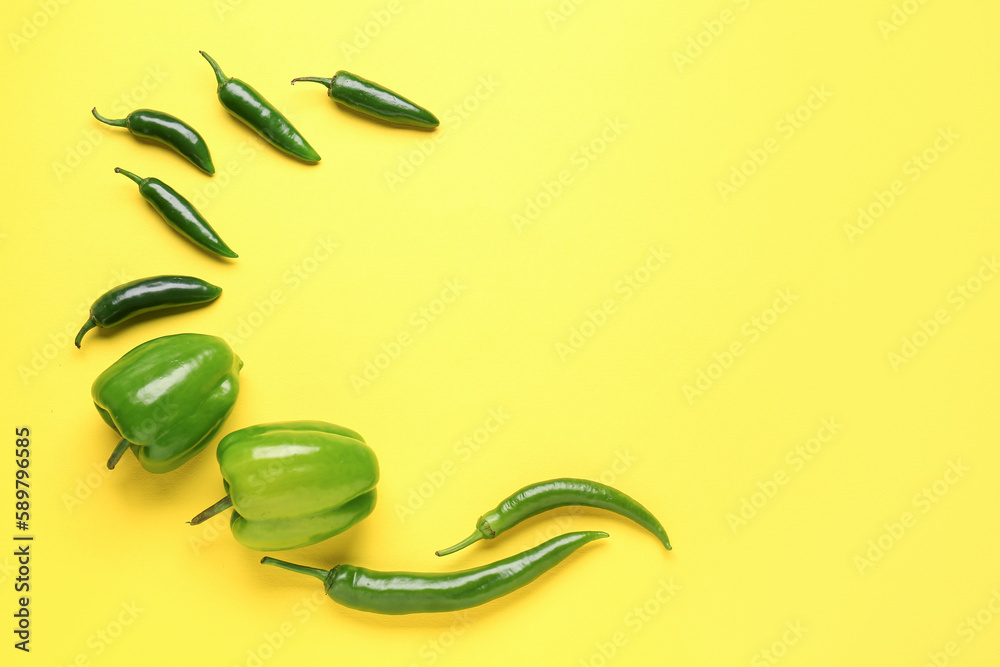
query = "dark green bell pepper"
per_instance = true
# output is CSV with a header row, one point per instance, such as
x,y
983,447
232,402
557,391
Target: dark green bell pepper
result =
x,y
168,397
294,483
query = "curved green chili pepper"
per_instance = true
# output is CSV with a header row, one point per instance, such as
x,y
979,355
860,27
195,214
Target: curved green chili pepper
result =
x,y
543,496
248,105
144,295
414,593
369,98
169,131
179,213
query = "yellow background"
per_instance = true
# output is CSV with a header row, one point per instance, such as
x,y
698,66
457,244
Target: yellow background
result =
x,y
619,121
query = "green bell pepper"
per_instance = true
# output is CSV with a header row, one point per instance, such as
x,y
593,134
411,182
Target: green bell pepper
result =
x,y
295,483
168,397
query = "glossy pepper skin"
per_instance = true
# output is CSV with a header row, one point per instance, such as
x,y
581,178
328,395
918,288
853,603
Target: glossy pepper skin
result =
x,y
167,130
371,99
180,214
168,397
241,100
146,295
414,593
550,494
294,483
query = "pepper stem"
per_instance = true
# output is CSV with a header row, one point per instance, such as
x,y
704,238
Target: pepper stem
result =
x,y
220,506
87,326
475,537
119,170
122,122
219,76
119,452
315,79
301,569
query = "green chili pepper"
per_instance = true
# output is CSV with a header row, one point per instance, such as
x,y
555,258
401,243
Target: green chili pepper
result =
x,y
294,483
169,131
248,105
168,397
180,214
414,593
145,295
367,97
543,496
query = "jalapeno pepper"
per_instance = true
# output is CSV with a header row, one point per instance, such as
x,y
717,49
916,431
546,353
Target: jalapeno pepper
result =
x,y
168,397
145,295
180,214
294,483
543,496
241,100
371,99
167,130
414,593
